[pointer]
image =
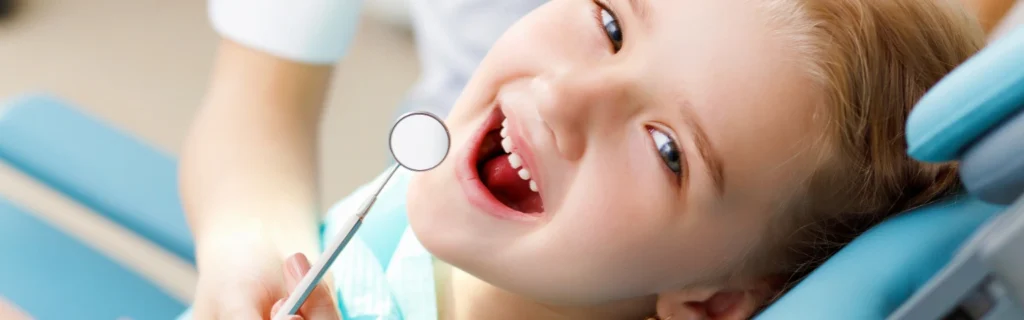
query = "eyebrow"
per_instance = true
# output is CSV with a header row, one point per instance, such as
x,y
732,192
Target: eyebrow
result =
x,y
641,9
707,153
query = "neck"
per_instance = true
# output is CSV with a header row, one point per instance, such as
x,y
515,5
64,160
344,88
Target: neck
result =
x,y
465,297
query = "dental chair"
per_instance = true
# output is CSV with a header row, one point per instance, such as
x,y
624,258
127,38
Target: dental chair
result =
x,y
959,259
962,258
98,165
50,274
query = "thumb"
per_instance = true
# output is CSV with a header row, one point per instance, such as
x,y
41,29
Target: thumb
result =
x,y
319,305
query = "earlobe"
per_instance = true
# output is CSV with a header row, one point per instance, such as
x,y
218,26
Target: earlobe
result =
x,y
711,304
680,304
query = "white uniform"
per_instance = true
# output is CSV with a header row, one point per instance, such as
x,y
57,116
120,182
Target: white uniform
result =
x,y
452,36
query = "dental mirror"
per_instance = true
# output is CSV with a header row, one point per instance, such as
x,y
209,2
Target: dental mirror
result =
x,y
419,141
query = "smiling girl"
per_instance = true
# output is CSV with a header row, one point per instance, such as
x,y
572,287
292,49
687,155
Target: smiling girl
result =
x,y
625,159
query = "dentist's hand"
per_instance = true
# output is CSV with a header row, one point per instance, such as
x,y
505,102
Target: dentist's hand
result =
x,y
248,167
238,281
244,278
319,305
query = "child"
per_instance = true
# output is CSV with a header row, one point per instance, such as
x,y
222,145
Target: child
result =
x,y
619,159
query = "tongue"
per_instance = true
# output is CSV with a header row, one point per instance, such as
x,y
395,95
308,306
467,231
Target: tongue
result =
x,y
504,182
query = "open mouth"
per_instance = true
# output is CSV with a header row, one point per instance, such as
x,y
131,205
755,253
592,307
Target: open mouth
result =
x,y
502,170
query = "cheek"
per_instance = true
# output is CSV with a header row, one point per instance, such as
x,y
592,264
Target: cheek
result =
x,y
619,196
433,199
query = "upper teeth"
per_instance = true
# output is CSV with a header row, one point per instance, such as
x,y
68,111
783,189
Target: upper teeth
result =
x,y
514,159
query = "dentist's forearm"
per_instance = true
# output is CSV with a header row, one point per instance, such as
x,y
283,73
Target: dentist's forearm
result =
x,y
249,164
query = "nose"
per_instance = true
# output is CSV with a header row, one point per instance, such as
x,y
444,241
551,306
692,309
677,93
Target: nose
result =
x,y
579,105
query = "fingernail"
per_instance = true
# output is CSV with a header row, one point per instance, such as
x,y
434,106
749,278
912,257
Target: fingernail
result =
x,y
298,265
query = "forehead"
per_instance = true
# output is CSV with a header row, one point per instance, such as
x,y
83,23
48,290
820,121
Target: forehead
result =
x,y
742,82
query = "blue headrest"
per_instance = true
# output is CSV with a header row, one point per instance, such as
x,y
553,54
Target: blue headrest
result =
x,y
970,101
873,275
972,113
993,168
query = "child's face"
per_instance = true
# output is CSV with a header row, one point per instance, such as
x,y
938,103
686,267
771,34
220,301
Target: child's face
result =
x,y
658,165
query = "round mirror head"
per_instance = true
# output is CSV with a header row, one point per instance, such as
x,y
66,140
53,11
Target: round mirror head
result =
x,y
419,141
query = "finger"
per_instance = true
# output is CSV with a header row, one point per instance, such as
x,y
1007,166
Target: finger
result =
x,y
276,307
319,304
296,267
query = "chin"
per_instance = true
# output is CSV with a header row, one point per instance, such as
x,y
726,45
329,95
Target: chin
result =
x,y
429,216
493,250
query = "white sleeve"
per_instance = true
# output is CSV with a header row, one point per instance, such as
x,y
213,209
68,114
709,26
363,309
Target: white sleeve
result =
x,y
309,31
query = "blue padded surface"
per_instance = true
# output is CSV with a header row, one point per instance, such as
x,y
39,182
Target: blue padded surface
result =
x,y
50,275
969,101
993,169
872,276
97,165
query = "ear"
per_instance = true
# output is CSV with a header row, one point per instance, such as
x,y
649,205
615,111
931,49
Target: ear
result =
x,y
714,304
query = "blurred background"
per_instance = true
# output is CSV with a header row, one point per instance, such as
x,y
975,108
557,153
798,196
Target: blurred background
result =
x,y
142,67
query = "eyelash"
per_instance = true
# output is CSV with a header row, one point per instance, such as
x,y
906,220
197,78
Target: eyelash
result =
x,y
599,9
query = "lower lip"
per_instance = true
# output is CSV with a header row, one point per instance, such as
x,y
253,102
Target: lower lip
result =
x,y
469,178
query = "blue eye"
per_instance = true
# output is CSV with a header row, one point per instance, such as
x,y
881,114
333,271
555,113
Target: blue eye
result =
x,y
611,27
668,150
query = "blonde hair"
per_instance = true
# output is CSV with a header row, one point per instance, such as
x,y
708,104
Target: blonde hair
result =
x,y
873,60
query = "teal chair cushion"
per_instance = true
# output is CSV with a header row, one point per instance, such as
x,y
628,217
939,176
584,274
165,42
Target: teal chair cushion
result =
x,y
967,103
876,273
50,275
99,166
